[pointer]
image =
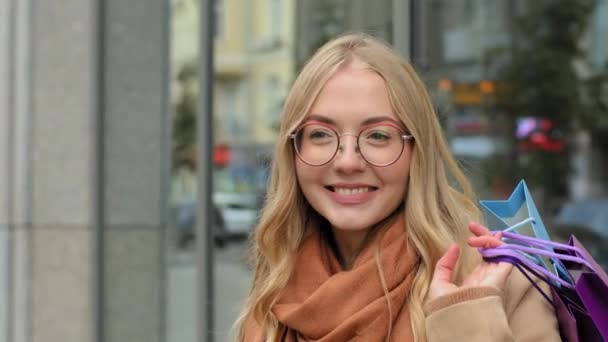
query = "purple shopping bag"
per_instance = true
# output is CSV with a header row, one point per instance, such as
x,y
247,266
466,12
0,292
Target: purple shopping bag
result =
x,y
591,286
579,298
575,324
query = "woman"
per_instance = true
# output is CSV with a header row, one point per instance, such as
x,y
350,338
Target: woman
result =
x,y
363,236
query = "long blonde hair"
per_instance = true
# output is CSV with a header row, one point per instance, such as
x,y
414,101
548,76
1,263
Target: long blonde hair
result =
x,y
439,198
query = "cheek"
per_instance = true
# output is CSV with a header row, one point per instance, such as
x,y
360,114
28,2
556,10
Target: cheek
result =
x,y
399,172
300,171
396,178
306,182
306,175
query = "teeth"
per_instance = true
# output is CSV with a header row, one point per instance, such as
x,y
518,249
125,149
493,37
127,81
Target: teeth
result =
x,y
349,191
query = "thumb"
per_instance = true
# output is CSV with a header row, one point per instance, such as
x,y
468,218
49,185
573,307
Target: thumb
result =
x,y
446,264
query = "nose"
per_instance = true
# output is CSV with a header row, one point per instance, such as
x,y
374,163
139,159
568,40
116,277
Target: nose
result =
x,y
348,158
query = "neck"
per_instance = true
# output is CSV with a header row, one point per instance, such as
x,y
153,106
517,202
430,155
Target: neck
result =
x,y
348,244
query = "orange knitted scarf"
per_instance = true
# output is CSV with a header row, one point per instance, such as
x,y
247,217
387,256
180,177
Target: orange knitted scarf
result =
x,y
322,303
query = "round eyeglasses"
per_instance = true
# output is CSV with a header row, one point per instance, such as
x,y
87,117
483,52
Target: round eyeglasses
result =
x,y
380,144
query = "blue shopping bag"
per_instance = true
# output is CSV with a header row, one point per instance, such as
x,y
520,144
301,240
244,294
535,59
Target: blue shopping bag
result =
x,y
520,215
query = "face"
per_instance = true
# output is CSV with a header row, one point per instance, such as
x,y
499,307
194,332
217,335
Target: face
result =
x,y
350,193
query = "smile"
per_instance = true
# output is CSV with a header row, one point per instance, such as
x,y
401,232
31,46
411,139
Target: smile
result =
x,y
351,195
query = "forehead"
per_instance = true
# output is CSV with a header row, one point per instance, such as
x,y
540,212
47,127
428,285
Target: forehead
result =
x,y
355,95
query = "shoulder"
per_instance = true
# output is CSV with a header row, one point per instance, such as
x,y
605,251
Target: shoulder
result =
x,y
519,290
531,316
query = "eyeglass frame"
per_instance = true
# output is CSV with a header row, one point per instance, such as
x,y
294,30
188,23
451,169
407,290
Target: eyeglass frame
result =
x,y
339,146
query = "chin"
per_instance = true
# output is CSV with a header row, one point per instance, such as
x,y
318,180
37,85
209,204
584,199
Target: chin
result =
x,y
349,223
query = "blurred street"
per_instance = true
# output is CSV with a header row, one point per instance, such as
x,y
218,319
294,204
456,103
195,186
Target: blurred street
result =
x,y
232,280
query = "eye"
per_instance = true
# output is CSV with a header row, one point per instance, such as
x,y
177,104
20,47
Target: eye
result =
x,y
320,134
378,135
317,134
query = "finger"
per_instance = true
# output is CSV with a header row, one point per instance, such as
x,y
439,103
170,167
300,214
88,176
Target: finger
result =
x,y
478,229
446,264
485,241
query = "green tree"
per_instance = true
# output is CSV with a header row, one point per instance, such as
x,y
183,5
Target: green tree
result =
x,y
184,119
541,81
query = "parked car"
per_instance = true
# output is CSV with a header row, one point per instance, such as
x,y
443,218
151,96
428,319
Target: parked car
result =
x,y
588,221
185,222
239,212
234,216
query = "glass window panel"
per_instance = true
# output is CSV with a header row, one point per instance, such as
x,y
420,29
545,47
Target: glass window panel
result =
x,y
509,88
181,314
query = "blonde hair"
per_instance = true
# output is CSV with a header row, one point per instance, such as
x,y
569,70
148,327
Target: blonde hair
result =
x,y
439,198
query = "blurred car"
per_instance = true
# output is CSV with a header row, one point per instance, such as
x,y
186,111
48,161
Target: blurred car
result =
x,y
233,217
539,134
239,212
588,221
185,221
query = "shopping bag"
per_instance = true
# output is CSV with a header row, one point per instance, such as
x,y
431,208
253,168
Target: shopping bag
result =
x,y
579,286
519,214
580,300
591,286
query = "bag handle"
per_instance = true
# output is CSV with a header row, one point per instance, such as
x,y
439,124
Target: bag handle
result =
x,y
543,243
524,270
518,258
547,253
532,241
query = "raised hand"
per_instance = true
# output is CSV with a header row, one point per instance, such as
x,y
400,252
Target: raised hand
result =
x,y
485,274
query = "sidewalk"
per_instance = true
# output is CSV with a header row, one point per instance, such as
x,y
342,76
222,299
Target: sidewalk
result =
x,y
232,280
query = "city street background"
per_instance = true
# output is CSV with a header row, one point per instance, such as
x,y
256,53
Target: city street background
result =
x,y
101,157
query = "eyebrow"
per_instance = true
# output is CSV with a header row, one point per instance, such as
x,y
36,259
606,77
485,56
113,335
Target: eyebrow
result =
x,y
368,121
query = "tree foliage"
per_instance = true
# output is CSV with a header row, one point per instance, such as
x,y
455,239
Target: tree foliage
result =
x,y
542,81
184,119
